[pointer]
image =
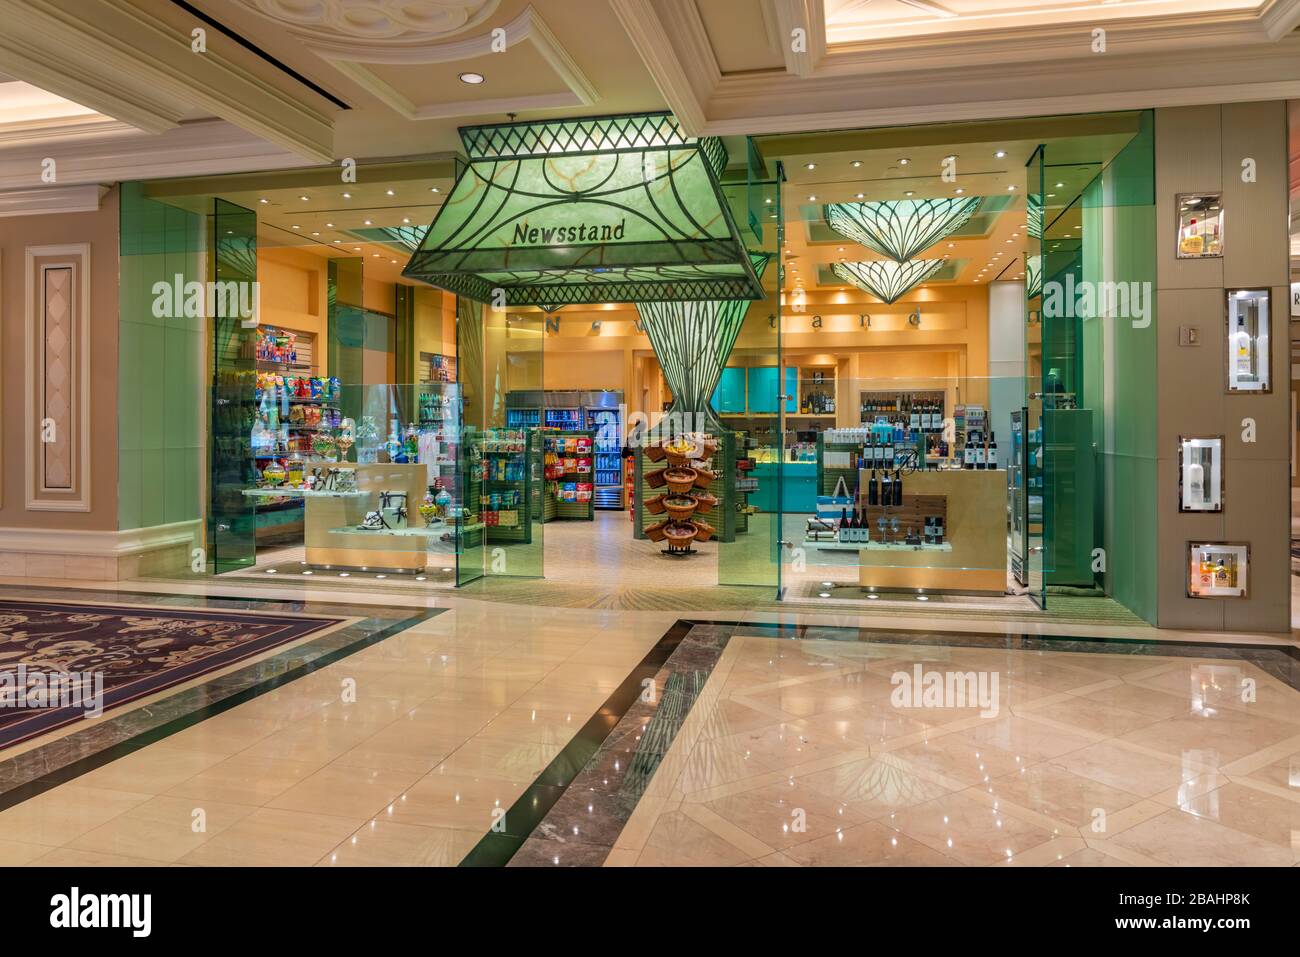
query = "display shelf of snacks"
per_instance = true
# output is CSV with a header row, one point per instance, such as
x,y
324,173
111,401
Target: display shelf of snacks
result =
x,y
568,462
504,487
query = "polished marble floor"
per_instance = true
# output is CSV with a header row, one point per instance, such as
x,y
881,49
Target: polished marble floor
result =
x,y
411,750
798,754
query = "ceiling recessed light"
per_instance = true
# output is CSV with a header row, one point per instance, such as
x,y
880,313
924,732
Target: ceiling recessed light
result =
x,y
473,79
768,200
263,200
860,195
909,192
314,233
952,245
959,190
1000,154
329,225
347,195
809,165
434,189
406,219
389,192
375,255
338,240
368,223
812,198
1059,185
297,227
903,161
304,198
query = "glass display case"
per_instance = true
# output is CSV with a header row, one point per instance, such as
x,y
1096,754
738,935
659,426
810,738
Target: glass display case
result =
x,y
1200,225
1247,340
1200,474
1218,570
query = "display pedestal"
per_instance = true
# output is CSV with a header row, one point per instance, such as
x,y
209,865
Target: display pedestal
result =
x,y
973,555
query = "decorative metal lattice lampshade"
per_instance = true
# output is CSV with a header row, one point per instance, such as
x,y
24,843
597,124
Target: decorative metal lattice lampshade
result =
x,y
693,341
901,228
885,279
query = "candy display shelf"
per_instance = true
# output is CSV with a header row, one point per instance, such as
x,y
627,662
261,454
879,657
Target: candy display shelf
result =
x,y
568,466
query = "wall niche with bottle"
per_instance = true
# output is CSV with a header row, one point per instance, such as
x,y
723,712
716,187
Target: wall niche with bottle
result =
x,y
1247,326
1200,225
1218,570
1200,474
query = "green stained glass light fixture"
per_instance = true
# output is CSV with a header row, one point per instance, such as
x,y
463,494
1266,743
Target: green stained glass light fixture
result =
x,y
607,209
901,228
693,341
885,279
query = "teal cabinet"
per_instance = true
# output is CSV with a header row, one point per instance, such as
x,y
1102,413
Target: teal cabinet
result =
x,y
729,396
763,390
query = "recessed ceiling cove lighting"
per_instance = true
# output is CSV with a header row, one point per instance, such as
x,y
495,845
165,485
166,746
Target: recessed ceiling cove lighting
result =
x,y
473,79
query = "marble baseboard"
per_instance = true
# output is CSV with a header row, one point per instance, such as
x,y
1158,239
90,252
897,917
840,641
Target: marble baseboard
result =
x,y
78,566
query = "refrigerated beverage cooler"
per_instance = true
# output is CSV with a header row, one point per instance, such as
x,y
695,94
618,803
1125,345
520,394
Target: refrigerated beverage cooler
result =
x,y
604,416
571,411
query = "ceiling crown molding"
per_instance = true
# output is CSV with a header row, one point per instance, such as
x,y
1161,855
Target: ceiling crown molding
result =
x,y
51,199
974,74
121,60
528,27
192,149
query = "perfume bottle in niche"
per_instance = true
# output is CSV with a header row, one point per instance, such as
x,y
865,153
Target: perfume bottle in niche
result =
x,y
1200,225
1218,570
1247,339
1200,474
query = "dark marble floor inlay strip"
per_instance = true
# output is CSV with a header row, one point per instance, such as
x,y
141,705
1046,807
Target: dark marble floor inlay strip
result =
x,y
585,821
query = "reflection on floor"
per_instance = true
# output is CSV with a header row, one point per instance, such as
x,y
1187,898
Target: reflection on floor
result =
x,y
291,560
815,752
777,751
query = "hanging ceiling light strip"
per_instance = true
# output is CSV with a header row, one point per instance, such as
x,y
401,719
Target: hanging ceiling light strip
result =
x,y
885,279
901,228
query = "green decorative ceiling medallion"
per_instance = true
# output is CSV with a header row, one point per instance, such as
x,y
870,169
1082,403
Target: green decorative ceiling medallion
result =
x,y
901,228
885,279
611,209
693,341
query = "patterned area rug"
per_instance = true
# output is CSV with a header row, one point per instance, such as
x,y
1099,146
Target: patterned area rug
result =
x,y
62,662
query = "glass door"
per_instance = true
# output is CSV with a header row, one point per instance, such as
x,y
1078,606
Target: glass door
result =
x,y
751,544
1032,435
232,468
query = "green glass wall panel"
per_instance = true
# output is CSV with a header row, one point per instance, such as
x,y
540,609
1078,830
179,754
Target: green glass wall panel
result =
x,y
231,466
160,354
471,550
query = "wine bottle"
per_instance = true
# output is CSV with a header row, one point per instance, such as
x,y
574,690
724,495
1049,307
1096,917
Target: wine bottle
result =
x,y
898,488
844,525
886,489
871,489
992,453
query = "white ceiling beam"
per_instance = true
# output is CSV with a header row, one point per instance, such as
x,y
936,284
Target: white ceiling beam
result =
x,y
646,31
116,57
